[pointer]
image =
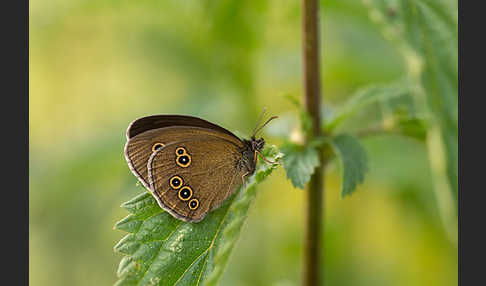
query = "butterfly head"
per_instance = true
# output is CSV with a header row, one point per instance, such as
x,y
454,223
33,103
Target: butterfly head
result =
x,y
257,144
253,147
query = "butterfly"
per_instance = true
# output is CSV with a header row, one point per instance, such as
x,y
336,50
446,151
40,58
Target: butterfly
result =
x,y
190,165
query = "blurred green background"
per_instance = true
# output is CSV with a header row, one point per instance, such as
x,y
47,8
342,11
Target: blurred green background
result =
x,y
97,65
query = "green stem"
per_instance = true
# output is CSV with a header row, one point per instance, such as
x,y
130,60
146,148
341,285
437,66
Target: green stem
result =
x,y
312,98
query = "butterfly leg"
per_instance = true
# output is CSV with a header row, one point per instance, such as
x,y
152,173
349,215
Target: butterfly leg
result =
x,y
243,179
264,159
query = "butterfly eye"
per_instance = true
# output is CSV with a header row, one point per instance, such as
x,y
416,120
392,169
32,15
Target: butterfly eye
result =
x,y
183,161
176,182
193,204
185,193
181,151
157,146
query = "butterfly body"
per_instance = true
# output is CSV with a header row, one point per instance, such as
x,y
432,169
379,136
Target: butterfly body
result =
x,y
248,153
190,166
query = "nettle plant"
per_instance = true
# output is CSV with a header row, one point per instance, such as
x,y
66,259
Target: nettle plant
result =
x,y
161,250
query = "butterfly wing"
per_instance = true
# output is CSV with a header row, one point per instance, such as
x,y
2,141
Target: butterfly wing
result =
x,y
190,188
160,121
144,133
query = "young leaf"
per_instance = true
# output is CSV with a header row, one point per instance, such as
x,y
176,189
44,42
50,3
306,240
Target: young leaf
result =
x,y
354,162
412,127
299,163
400,115
161,250
365,97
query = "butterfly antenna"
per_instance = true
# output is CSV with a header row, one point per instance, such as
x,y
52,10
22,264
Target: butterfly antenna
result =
x,y
266,122
258,121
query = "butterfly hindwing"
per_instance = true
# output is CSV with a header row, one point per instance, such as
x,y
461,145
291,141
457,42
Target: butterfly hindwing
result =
x,y
193,176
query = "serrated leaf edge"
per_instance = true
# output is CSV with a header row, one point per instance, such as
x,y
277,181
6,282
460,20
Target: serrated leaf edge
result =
x,y
127,257
339,158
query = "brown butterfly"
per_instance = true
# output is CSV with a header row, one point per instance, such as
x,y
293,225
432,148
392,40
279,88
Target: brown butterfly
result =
x,y
189,165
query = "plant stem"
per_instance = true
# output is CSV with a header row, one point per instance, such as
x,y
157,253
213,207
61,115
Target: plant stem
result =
x,y
312,100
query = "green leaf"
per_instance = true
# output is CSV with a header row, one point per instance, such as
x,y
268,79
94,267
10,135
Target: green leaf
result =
x,y
426,33
412,127
161,250
440,78
354,162
397,106
299,163
400,116
365,97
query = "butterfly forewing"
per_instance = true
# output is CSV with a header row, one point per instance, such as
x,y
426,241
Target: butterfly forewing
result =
x,y
160,121
139,148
